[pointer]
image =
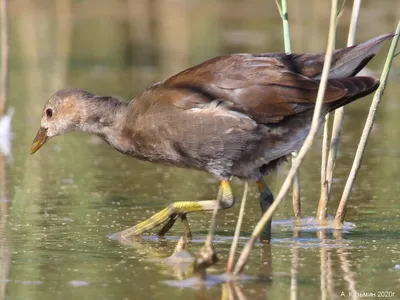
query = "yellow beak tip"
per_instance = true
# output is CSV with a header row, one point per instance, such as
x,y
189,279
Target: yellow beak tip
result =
x,y
34,148
40,138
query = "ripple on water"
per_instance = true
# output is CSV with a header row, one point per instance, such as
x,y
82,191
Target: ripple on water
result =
x,y
78,283
209,281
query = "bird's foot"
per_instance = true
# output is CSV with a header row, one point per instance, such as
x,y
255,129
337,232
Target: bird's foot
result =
x,y
170,214
205,258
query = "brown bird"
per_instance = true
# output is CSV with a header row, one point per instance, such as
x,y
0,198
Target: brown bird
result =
x,y
236,115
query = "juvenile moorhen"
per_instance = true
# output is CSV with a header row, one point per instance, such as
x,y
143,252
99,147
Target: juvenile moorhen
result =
x,y
236,115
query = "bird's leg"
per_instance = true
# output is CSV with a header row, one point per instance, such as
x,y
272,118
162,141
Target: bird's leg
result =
x,y
266,199
168,225
207,256
171,222
185,222
170,214
179,208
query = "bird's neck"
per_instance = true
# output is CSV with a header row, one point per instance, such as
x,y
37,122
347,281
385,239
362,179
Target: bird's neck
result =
x,y
104,117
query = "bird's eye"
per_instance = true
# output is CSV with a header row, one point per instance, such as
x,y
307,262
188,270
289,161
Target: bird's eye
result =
x,y
49,112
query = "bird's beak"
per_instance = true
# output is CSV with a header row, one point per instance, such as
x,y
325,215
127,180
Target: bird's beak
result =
x,y
40,138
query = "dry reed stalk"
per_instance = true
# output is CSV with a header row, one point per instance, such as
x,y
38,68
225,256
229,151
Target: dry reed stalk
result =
x,y
304,149
324,196
341,211
229,267
328,163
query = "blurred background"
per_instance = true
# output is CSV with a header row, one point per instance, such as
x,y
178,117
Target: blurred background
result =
x,y
58,206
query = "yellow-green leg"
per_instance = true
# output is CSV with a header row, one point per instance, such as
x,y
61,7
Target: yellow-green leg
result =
x,y
171,222
207,256
180,208
266,199
185,222
167,226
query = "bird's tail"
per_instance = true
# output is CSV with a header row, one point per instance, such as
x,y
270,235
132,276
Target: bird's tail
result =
x,y
346,62
357,87
349,61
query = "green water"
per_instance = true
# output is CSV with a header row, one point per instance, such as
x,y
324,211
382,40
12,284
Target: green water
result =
x,y
59,206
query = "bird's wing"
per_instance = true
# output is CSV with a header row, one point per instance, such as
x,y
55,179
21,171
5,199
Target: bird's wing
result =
x,y
270,87
267,87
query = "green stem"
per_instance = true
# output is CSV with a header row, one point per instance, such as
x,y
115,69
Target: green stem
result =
x,y
4,56
286,31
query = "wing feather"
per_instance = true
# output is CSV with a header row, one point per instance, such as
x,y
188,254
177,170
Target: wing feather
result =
x,y
263,87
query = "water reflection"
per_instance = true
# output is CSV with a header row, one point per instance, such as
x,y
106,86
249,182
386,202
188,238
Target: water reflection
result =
x,y
294,272
5,243
232,290
346,266
333,256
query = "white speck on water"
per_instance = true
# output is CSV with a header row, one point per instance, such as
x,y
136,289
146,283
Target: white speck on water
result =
x,y
78,283
5,132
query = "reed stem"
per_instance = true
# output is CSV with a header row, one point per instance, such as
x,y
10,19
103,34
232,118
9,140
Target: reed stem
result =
x,y
341,211
283,10
4,56
328,162
304,149
229,267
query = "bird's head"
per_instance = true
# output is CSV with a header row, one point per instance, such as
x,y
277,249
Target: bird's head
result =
x,y
62,113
